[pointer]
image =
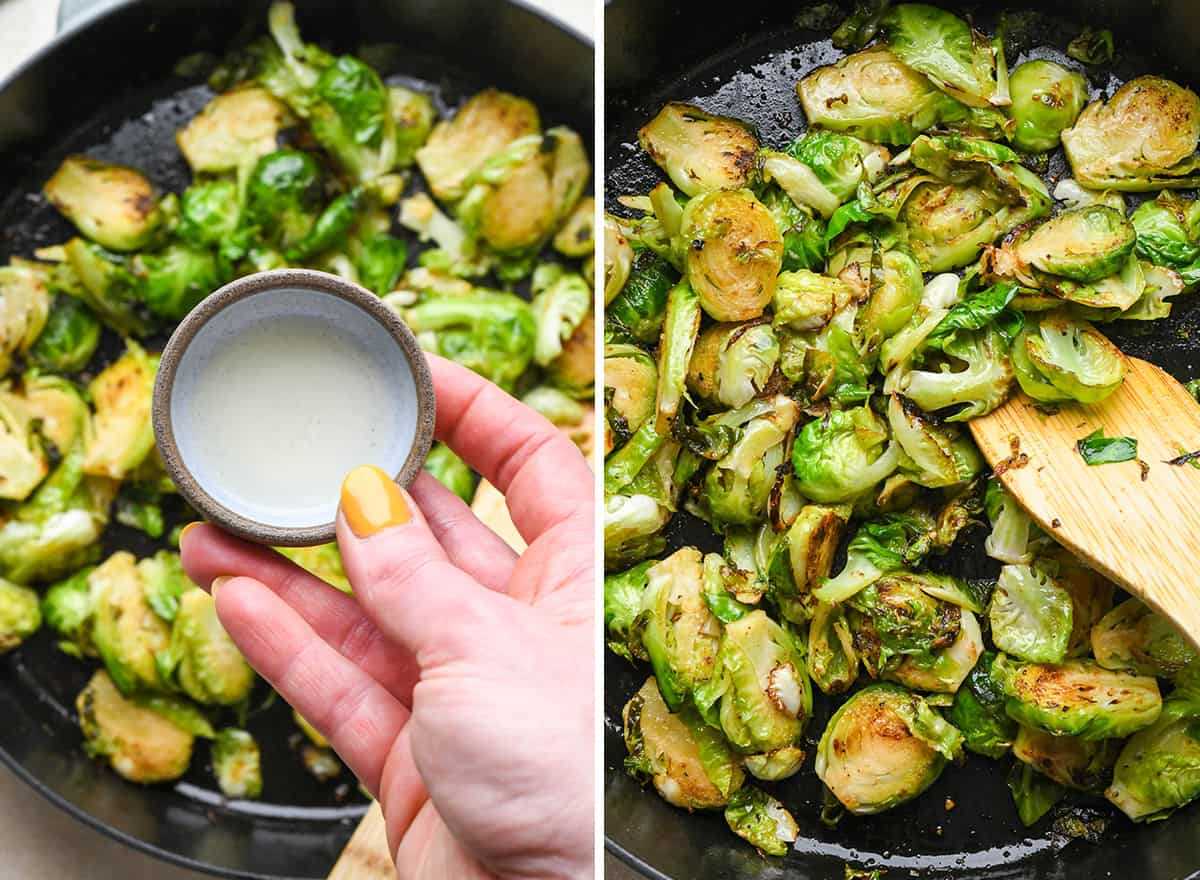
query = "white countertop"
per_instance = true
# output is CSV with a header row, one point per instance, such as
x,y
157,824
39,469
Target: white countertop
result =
x,y
39,842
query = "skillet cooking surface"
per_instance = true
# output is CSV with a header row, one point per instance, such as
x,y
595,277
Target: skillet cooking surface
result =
x,y
965,826
299,826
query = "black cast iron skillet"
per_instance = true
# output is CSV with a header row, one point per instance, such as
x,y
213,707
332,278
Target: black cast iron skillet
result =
x,y
107,88
744,61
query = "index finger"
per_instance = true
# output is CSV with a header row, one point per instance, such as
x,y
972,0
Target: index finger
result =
x,y
541,473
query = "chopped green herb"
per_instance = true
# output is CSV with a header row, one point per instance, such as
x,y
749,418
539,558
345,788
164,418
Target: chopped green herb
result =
x,y
1095,448
1185,457
1193,388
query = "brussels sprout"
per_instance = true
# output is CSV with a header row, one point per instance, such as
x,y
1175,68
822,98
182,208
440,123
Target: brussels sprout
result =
x,y
451,471
233,130
1085,244
840,456
618,259
20,614
574,371
839,161
486,124
329,229
489,332
24,308
1091,594
561,300
640,307
978,712
67,609
413,117
810,544
1133,638
1168,234
805,300
1031,614
832,657
762,684
1118,292
1057,357
1158,770
979,386
623,615
283,196
700,152
804,245
1143,138
577,235
141,744
679,633
68,340
632,527
735,251
349,113
938,298
938,454
1033,794
1085,765
738,486
680,326
323,561
882,747
237,764
1012,528
128,634
23,462
892,292
959,60
120,434
873,95
945,669
102,280
895,616
207,664
732,363
800,182
174,280
757,817
163,583
381,262
630,385
1077,698
1046,98
114,206
887,544
688,762
1070,193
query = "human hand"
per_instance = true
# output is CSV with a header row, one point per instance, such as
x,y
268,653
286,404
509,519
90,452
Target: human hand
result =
x,y
457,682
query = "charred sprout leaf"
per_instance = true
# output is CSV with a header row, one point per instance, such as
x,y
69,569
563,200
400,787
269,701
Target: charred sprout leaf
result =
x,y
451,471
237,764
861,26
1092,47
114,206
762,820
978,712
1084,765
640,307
1030,615
1033,793
878,547
1095,448
1046,98
69,339
700,152
939,455
737,487
1133,638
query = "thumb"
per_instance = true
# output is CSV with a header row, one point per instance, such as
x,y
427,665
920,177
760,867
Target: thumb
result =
x,y
403,578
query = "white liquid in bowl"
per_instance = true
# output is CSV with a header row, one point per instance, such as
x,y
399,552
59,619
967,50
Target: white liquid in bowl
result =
x,y
274,406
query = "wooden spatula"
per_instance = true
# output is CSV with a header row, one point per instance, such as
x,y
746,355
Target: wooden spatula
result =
x,y
1137,522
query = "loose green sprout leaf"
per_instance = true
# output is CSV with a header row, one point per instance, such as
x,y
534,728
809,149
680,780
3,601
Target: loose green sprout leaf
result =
x,y
489,332
382,262
840,162
680,326
623,616
237,764
977,311
174,280
451,471
978,712
640,307
975,378
1034,794
67,609
1084,765
842,455
1092,47
1095,448
1030,615
737,488
861,26
757,817
1133,638
1012,528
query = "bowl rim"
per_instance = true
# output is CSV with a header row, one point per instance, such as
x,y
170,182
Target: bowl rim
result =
x,y
237,291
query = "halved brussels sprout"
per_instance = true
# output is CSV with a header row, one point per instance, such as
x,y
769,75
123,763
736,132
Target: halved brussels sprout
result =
x,y
483,126
639,308
237,764
233,130
978,712
630,385
1046,98
577,235
945,669
732,363
734,253
618,258
757,817
209,667
114,206
679,632
128,634
1117,292
700,152
1077,698
1158,770
882,747
1168,227
738,486
120,435
810,543
24,308
413,117
762,684
873,95
975,378
840,162
23,463
938,454
1082,764
832,657
896,616
842,455
20,614
1085,244
1143,138
1133,638
1091,595
805,300
69,338
688,762
1057,357
1031,614
141,744
891,294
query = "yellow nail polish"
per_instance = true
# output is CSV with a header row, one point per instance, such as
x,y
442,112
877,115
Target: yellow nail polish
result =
x,y
372,502
216,584
187,529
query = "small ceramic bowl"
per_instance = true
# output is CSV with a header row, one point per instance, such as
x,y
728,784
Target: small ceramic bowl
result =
x,y
203,469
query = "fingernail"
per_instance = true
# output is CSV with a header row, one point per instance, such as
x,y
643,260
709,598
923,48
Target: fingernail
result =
x,y
372,501
217,583
187,529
